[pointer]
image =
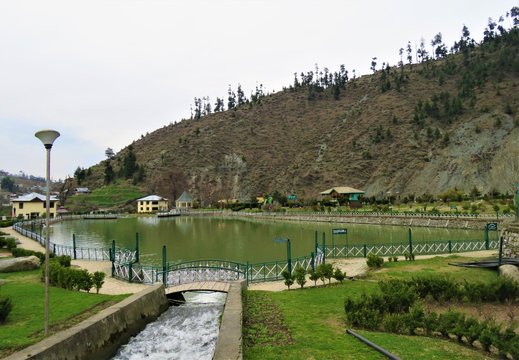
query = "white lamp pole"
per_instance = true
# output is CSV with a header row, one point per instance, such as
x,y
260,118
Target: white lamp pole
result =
x,y
47,137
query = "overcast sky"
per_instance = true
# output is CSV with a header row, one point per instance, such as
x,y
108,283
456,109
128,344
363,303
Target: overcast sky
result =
x,y
103,73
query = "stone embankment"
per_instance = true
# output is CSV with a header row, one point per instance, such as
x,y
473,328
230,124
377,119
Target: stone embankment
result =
x,y
511,241
101,335
425,220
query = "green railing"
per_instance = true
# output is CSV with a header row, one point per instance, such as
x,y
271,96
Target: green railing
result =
x,y
418,248
126,266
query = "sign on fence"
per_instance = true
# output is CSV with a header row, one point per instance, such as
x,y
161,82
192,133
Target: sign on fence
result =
x,y
339,231
492,226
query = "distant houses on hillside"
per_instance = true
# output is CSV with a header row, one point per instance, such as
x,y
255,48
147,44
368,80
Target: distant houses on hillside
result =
x,y
344,195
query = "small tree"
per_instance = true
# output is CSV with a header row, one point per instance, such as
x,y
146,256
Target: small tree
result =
x,y
289,278
99,280
314,276
339,275
325,272
300,276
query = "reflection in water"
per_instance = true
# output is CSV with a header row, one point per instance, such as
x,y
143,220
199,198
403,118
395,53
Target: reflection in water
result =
x,y
184,332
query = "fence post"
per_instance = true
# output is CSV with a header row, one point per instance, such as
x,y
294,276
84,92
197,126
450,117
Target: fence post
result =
x,y
450,247
74,245
313,260
316,242
487,245
136,247
130,271
410,242
365,250
324,247
500,250
54,249
247,273
112,254
164,265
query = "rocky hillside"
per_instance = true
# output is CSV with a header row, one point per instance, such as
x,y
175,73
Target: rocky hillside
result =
x,y
408,130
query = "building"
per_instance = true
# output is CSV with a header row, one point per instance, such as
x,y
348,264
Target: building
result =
x,y
184,201
344,195
32,205
152,203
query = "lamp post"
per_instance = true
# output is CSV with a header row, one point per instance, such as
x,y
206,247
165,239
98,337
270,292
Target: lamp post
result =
x,y
47,137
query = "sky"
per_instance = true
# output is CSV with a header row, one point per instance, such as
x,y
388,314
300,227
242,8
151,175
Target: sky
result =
x,y
104,73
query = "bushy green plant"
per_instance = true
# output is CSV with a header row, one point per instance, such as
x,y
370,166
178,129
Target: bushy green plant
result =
x,y
374,261
289,278
300,275
99,279
325,271
314,276
6,305
19,252
398,296
339,275
8,242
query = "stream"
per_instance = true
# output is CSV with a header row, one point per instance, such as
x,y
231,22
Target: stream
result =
x,y
188,331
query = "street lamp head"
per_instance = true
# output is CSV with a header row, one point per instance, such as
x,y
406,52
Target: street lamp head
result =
x,y
47,137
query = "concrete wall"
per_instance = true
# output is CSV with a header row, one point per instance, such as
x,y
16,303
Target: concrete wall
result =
x,y
100,336
371,219
229,344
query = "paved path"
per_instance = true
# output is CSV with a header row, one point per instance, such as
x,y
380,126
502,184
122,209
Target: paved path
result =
x,y
111,286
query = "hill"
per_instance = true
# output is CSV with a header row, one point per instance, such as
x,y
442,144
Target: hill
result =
x,y
408,130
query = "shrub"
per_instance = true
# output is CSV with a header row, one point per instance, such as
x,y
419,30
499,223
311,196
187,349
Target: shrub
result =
x,y
289,278
374,261
339,275
8,242
300,276
6,223
18,252
99,279
6,306
325,271
398,296
314,276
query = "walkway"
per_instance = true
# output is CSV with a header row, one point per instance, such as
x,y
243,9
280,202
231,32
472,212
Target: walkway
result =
x,y
111,286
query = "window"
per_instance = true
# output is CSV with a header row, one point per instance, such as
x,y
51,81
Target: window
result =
x,y
20,205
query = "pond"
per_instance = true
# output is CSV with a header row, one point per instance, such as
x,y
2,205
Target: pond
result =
x,y
241,240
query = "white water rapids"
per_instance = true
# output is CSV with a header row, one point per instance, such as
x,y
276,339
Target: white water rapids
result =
x,y
188,331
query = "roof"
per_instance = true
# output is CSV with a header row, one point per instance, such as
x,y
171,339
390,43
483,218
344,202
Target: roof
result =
x,y
185,197
342,190
152,198
34,197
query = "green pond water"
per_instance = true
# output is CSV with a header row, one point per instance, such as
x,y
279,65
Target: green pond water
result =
x,y
241,240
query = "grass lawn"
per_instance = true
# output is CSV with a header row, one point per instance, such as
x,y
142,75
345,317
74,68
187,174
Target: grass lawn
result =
x,y
309,323
25,323
109,196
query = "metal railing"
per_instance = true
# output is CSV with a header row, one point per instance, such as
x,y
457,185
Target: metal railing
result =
x,y
126,266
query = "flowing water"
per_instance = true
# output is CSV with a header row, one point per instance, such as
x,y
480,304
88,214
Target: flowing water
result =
x,y
184,332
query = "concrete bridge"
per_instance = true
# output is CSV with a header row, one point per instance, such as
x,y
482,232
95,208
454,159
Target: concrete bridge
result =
x,y
174,293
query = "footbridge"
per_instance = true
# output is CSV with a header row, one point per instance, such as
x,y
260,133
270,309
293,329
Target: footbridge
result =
x,y
175,293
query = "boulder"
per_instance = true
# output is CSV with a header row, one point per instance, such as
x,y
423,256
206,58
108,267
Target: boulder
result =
x,y
511,271
19,264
